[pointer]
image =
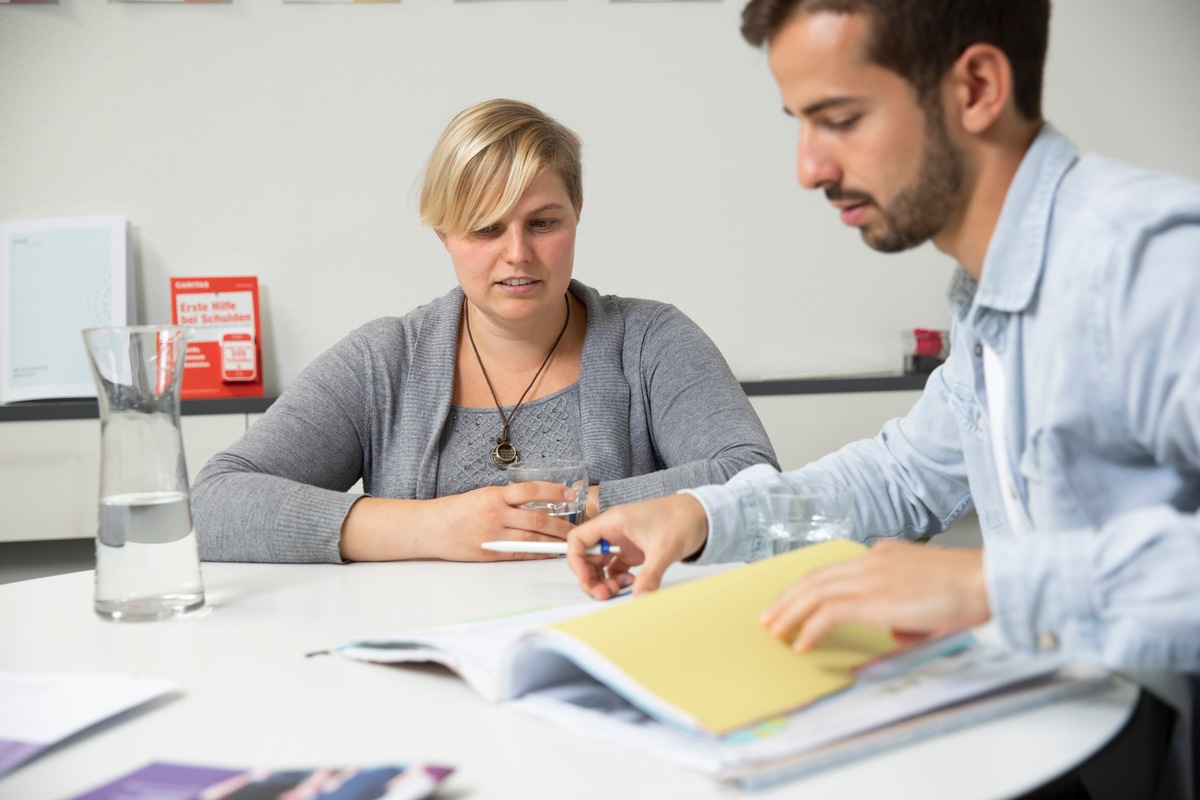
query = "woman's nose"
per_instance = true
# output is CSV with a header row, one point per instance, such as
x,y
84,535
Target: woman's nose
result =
x,y
515,249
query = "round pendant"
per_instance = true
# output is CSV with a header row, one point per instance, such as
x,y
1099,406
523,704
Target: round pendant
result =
x,y
504,454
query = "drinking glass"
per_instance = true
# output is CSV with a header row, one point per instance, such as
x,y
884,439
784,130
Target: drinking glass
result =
x,y
147,561
563,471
794,518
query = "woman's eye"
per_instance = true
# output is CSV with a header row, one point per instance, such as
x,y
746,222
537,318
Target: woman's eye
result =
x,y
844,124
486,230
542,224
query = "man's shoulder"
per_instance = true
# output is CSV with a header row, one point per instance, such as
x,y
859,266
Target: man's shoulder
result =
x,y
1126,195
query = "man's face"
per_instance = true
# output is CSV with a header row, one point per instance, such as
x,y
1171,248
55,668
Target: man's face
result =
x,y
885,162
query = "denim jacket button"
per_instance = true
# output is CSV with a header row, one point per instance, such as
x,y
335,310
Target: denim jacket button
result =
x,y
978,350
1047,642
979,423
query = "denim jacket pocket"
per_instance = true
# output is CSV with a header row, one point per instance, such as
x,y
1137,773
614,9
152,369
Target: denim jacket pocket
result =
x,y
962,403
1051,500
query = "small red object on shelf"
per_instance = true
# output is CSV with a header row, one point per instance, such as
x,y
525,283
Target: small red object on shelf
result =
x,y
925,349
931,342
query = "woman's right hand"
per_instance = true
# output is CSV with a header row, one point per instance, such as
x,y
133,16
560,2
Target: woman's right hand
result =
x,y
453,528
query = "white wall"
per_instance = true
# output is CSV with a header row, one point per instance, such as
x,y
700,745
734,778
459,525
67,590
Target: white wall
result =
x,y
285,140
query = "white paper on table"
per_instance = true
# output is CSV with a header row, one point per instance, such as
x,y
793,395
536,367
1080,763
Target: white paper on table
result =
x,y
39,709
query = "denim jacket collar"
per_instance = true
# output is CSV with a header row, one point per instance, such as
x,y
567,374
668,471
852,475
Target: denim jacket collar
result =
x,y
1015,255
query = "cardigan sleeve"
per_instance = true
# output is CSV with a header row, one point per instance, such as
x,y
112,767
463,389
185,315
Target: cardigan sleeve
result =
x,y
279,494
702,427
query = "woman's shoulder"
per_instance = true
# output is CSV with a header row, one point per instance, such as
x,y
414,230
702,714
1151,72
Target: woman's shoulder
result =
x,y
401,332
635,312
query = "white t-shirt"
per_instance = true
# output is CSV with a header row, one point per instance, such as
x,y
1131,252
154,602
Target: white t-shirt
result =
x,y
996,386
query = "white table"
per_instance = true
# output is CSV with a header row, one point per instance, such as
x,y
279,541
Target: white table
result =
x,y
250,697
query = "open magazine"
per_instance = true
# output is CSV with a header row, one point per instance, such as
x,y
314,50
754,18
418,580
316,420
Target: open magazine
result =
x,y
694,655
689,674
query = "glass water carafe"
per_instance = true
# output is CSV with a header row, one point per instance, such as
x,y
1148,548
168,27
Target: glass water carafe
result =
x,y
147,562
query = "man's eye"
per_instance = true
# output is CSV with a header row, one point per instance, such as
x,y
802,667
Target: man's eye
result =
x,y
843,124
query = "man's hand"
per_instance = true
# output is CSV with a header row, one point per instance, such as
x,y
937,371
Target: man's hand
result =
x,y
917,591
653,533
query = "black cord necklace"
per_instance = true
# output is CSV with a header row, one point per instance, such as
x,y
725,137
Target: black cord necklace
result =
x,y
504,453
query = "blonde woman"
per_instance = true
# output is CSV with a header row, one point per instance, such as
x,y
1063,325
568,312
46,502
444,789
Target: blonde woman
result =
x,y
428,408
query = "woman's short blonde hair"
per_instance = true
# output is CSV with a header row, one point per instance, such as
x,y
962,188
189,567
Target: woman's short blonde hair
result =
x,y
486,158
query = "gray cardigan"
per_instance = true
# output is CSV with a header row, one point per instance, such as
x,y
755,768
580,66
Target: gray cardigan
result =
x,y
660,409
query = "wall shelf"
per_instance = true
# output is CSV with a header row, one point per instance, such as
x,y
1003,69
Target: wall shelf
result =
x,y
835,385
39,410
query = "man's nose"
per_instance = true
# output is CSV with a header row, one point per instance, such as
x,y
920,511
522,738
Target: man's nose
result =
x,y
815,167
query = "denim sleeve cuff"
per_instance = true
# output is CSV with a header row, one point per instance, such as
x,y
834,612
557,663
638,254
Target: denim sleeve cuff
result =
x,y
733,533
722,508
1040,594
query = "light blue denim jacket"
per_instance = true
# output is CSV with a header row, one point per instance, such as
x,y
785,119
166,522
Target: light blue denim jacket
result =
x,y
1090,296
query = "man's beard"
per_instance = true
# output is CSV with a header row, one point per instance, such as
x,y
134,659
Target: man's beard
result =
x,y
920,210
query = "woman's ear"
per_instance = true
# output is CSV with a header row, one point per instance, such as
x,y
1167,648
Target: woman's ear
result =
x,y
579,208
441,235
981,85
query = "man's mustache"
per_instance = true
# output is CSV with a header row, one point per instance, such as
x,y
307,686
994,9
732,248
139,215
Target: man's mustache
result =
x,y
837,194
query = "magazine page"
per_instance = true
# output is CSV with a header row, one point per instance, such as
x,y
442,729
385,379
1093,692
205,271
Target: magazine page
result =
x,y
480,651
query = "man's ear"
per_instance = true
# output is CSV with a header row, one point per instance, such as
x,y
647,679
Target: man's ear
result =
x,y
981,85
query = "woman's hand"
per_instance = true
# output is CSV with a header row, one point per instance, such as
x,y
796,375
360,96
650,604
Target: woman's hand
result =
x,y
453,528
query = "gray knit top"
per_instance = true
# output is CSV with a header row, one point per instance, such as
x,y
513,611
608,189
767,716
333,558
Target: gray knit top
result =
x,y
660,411
544,428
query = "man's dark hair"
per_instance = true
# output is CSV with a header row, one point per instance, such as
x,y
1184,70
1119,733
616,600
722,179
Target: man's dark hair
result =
x,y
920,39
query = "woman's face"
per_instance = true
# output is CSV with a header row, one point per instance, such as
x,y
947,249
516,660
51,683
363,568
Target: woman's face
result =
x,y
515,269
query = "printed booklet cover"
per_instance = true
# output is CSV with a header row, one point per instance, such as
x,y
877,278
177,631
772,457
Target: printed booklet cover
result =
x,y
224,353
57,277
188,782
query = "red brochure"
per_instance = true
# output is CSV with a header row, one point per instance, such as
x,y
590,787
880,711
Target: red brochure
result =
x,y
224,353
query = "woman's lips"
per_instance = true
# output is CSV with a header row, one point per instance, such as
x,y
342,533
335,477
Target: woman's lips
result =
x,y
518,285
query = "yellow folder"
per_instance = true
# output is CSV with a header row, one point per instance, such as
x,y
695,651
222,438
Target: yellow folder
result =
x,y
700,647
